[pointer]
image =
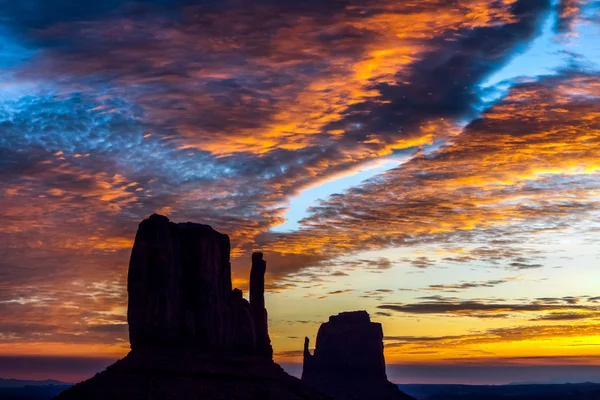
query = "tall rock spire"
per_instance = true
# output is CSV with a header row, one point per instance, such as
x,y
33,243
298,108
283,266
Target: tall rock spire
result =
x,y
257,305
307,357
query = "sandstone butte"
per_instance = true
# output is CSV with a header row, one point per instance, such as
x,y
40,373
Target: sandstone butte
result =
x,y
192,335
348,361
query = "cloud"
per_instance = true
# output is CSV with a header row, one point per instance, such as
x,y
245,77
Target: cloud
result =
x,y
109,328
377,294
571,316
422,262
489,309
565,299
220,114
382,314
453,193
485,347
569,13
521,265
335,292
339,273
453,287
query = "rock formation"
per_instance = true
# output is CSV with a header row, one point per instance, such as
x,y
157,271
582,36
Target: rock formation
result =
x,y
348,361
257,305
192,336
180,293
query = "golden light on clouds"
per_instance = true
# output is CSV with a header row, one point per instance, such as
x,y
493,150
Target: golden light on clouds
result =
x,y
479,216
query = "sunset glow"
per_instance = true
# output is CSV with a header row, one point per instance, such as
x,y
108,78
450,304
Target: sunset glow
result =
x,y
435,163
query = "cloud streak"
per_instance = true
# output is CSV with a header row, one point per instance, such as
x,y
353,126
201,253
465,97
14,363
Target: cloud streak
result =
x,y
489,309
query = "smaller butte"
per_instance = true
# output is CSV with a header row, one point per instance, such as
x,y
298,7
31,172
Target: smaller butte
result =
x,y
348,361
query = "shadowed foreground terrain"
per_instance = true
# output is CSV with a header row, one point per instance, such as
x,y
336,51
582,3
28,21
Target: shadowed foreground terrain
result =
x,y
31,391
579,391
166,375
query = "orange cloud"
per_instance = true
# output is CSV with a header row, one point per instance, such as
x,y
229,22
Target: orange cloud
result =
x,y
526,159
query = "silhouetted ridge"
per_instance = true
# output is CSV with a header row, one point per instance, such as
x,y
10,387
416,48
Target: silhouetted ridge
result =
x,y
348,361
192,336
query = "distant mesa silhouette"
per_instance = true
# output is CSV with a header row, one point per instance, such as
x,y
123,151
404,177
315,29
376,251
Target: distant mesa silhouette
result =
x,y
348,361
192,336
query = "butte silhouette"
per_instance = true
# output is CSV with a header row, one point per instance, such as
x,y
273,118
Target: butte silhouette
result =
x,y
348,362
192,336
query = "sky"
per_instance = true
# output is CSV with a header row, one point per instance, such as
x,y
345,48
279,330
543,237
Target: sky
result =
x,y
433,162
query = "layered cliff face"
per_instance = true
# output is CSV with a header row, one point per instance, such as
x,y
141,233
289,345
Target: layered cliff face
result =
x,y
348,361
180,292
192,336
